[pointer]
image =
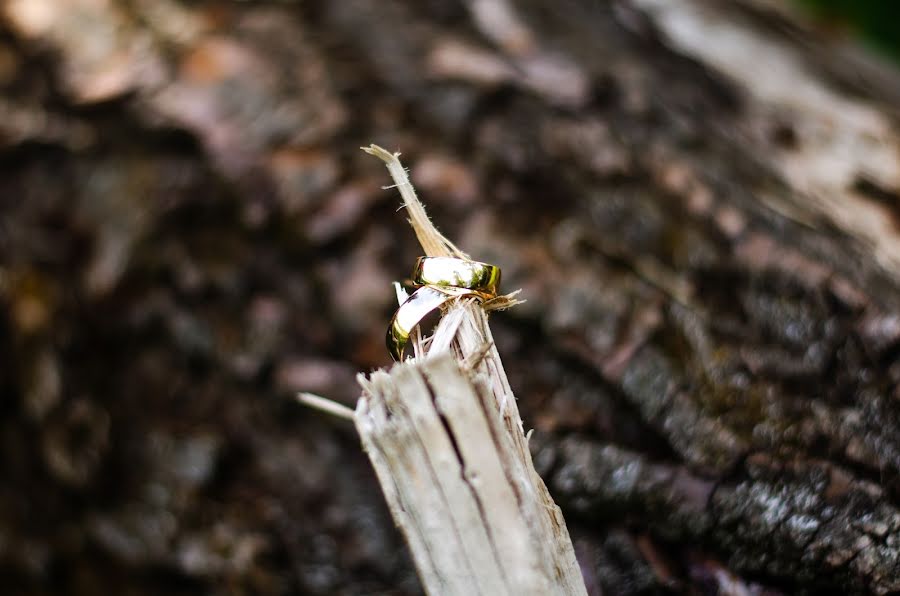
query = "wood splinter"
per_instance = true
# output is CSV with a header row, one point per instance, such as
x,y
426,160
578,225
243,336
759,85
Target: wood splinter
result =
x,y
444,435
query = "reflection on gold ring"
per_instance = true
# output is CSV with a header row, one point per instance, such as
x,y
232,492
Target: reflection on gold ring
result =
x,y
457,273
422,302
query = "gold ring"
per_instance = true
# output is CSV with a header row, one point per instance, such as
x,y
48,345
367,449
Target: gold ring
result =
x,y
458,273
422,302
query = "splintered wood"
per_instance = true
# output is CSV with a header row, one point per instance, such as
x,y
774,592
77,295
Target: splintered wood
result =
x,y
445,437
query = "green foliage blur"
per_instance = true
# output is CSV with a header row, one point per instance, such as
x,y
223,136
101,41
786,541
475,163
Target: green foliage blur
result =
x,y
876,21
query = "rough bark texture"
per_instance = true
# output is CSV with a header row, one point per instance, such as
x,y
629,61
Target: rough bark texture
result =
x,y
699,199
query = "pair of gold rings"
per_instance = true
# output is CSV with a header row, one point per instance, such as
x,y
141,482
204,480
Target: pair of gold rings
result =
x,y
439,280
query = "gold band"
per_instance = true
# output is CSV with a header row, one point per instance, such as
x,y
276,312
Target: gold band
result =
x,y
440,279
423,301
458,273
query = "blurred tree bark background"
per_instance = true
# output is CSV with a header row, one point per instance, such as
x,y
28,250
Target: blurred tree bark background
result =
x,y
700,200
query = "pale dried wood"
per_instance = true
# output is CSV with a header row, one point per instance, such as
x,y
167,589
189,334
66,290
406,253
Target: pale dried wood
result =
x,y
457,487
449,450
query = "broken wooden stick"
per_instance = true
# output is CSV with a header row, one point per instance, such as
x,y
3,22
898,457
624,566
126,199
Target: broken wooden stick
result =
x,y
444,434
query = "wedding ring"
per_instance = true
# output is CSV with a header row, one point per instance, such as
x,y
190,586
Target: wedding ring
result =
x,y
439,279
423,301
458,273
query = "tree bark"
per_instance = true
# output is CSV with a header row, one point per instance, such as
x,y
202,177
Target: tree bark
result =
x,y
698,198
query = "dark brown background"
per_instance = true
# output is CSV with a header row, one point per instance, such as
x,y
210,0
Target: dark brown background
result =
x,y
189,234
